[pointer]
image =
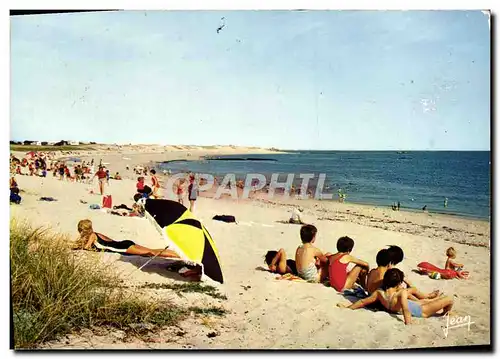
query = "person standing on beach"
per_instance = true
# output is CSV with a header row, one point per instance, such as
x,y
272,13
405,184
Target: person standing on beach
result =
x,y
399,205
192,192
180,191
101,176
446,202
155,183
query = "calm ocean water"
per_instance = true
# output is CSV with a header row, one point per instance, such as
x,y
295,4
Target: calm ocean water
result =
x,y
415,178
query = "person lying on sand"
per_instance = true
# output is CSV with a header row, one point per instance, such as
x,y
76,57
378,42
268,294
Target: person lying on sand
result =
x,y
312,264
90,240
340,278
395,299
277,262
136,211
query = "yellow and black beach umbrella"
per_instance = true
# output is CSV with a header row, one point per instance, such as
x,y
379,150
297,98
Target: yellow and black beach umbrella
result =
x,y
185,235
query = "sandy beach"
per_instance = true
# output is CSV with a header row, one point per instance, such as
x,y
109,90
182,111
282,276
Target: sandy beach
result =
x,y
265,312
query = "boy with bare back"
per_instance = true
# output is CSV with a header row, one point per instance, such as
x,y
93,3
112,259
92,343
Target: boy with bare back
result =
x,y
312,264
387,259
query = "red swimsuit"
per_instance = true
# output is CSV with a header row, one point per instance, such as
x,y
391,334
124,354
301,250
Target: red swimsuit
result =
x,y
338,273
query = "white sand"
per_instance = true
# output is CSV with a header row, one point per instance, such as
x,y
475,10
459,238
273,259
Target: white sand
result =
x,y
264,312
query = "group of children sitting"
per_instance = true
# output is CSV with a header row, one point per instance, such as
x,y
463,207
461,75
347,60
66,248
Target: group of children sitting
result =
x,y
384,287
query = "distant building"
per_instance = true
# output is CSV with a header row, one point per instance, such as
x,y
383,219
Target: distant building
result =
x,y
73,143
28,142
38,143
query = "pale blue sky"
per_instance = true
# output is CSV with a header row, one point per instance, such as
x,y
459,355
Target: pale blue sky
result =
x,y
295,80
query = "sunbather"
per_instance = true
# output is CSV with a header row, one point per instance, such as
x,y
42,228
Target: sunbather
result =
x,y
395,299
277,262
91,240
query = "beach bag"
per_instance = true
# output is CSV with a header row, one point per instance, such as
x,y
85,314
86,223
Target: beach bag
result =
x,y
15,198
225,218
107,202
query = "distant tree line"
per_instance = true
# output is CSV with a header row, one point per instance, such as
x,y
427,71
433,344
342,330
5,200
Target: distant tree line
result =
x,y
45,143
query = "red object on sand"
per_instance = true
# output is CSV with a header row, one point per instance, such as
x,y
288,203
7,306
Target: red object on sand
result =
x,y
427,267
107,201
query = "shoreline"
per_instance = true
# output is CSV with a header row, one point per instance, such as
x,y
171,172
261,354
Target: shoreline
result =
x,y
479,215
152,155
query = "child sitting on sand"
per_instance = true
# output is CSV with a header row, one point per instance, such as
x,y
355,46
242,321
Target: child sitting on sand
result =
x,y
376,276
451,254
340,278
312,264
396,299
277,262
386,259
397,255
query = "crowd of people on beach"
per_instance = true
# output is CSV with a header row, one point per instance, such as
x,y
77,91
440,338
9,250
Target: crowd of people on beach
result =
x,y
384,287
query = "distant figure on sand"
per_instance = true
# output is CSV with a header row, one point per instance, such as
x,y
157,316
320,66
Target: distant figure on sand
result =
x,y
445,202
340,278
451,254
142,188
399,205
155,183
295,218
102,177
395,299
192,192
312,263
277,262
179,190
91,240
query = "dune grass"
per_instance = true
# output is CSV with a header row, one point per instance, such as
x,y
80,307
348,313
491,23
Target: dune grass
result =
x,y
55,292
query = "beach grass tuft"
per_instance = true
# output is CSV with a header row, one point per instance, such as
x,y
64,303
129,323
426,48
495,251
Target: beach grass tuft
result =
x,y
55,292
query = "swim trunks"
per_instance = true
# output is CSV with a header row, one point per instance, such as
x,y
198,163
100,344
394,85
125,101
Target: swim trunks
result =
x,y
310,273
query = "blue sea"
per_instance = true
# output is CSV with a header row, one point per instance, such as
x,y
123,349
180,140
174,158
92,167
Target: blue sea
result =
x,y
414,178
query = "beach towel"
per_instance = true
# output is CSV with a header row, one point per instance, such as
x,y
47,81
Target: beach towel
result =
x,y
225,218
357,292
427,268
48,199
107,201
15,198
291,277
122,206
